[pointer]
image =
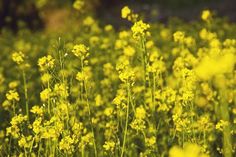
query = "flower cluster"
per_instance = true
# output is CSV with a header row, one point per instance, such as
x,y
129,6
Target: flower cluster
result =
x,y
45,63
167,91
140,29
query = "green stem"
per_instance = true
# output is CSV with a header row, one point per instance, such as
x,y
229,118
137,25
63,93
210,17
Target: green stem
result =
x,y
26,94
126,121
227,141
90,119
25,152
49,108
144,53
31,145
82,152
14,108
39,148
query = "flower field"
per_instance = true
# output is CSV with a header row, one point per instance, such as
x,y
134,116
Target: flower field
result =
x,y
148,90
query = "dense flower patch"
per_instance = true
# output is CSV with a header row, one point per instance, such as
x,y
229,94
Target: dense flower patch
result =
x,y
151,90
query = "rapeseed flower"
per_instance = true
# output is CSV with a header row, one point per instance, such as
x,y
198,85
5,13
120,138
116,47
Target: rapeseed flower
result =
x,y
140,29
18,57
78,4
206,15
45,63
12,95
125,12
80,51
109,146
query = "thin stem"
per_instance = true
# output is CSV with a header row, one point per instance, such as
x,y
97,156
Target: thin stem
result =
x,y
14,108
39,148
82,152
26,94
31,145
144,53
227,141
49,108
126,121
90,119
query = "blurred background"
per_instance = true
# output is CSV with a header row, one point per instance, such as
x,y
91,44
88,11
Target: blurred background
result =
x,y
52,14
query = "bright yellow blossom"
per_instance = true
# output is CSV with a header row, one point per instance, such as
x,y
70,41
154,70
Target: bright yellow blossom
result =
x,y
139,29
80,51
206,15
109,146
125,12
46,62
18,57
12,95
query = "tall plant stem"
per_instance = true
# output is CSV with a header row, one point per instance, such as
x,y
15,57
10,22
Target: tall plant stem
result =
x,y
126,121
227,141
26,94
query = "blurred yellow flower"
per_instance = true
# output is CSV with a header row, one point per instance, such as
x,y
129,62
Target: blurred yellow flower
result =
x,y
18,57
125,12
12,95
206,15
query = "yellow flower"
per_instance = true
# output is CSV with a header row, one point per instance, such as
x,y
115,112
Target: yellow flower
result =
x,y
150,142
189,150
45,94
108,69
14,131
129,51
108,111
13,84
25,142
127,75
179,36
37,110
229,43
78,129
215,43
125,12
207,35
22,142
189,41
165,33
78,4
94,40
86,139
88,21
140,113
37,125
66,144
139,29
84,75
138,124
149,44
45,78
18,119
80,76
206,15
12,95
221,125
109,146
98,100
61,90
216,65
46,62
18,57
108,28
124,34
80,51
